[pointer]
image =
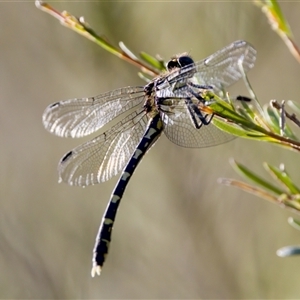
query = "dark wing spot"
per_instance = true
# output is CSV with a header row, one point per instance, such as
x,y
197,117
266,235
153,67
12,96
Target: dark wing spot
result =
x,y
54,104
66,157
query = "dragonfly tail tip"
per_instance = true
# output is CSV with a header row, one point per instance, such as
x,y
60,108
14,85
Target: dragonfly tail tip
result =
x,y
96,270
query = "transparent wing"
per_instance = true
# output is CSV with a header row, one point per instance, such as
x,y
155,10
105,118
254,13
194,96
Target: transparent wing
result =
x,y
220,69
81,117
106,155
180,129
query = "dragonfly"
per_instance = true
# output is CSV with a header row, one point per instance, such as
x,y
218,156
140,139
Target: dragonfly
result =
x,y
171,103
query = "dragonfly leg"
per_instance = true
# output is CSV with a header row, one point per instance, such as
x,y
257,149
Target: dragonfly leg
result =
x,y
201,86
243,98
195,111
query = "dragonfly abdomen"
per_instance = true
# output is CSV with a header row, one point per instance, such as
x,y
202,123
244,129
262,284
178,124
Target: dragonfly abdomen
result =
x,y
154,129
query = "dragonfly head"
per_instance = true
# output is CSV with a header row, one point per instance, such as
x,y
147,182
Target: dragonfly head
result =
x,y
179,61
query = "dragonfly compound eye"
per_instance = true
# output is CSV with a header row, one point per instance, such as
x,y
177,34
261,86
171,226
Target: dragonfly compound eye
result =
x,y
172,64
185,61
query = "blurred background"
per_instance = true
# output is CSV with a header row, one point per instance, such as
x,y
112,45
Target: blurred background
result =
x,y
178,234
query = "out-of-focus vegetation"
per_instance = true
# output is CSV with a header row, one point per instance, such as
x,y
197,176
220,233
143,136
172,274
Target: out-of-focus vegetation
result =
x,y
179,234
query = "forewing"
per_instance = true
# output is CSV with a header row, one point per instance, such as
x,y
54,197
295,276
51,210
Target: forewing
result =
x,y
220,69
106,155
180,129
83,116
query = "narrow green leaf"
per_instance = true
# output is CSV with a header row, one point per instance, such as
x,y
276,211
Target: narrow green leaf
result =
x,y
278,17
288,251
144,77
246,129
273,117
154,62
127,51
294,105
244,171
245,114
248,110
224,110
231,128
295,223
283,178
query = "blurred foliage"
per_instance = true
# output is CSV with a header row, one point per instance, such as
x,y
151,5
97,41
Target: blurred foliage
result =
x,y
79,25
261,124
279,24
208,248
